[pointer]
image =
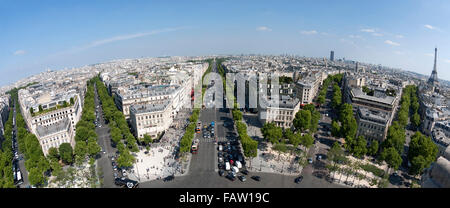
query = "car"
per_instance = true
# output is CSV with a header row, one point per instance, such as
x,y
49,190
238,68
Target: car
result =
x,y
256,178
231,177
245,172
319,157
115,167
231,162
298,179
125,182
310,160
242,178
220,159
220,154
221,172
116,175
169,178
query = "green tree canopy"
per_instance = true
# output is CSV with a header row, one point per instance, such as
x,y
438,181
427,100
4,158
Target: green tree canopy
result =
x,y
66,153
302,120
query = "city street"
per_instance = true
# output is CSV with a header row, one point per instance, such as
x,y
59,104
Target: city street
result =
x,y
21,160
104,140
203,168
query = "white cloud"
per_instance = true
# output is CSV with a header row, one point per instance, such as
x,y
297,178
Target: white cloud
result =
x,y
355,37
430,27
19,52
377,34
311,32
399,36
368,30
263,28
391,43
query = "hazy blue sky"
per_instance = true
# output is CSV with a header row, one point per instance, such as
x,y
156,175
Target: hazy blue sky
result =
x,y
35,35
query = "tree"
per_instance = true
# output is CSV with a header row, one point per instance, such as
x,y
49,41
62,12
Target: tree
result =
x,y
373,148
307,140
147,139
335,129
36,177
81,150
321,99
392,157
72,101
395,138
31,111
40,108
302,120
415,120
93,147
423,147
53,153
360,147
294,139
271,132
418,164
336,153
66,153
125,159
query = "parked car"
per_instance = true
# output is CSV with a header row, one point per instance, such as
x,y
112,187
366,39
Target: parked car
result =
x,y
245,172
231,177
242,178
169,178
310,160
221,172
256,178
298,179
125,182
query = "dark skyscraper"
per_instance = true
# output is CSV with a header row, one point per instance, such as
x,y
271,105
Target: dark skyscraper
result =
x,y
332,56
433,80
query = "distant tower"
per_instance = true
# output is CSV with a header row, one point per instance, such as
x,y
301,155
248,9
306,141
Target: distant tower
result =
x,y
356,67
332,56
433,80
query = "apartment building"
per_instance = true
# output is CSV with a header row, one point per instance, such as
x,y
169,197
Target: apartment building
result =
x,y
373,125
151,119
4,112
307,87
281,113
139,95
56,134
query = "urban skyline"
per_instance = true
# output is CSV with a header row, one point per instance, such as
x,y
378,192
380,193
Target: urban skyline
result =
x,y
400,36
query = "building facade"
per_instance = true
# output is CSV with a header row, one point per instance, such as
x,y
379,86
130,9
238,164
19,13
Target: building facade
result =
x,y
150,119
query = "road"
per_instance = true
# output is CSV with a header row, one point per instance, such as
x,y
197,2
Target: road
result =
x,y
104,140
203,168
21,161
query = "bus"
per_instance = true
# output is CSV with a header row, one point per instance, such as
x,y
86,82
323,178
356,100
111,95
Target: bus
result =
x,y
194,147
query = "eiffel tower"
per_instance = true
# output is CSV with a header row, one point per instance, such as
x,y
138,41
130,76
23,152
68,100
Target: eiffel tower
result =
x,y
433,80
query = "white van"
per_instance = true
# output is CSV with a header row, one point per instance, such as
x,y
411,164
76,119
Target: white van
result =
x,y
220,148
235,169
227,166
238,164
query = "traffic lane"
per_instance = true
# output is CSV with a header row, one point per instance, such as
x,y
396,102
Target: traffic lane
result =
x,y
268,180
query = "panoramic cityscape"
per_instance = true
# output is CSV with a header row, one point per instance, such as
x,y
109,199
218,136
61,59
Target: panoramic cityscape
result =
x,y
173,108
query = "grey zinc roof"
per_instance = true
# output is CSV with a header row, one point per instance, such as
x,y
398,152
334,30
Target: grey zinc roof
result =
x,y
56,127
358,93
150,107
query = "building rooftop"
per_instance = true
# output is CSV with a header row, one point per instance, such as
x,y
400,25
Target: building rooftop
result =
x,y
150,107
374,116
379,98
59,126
